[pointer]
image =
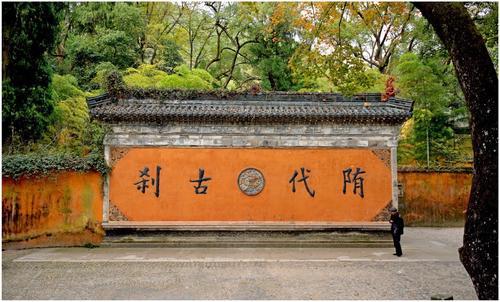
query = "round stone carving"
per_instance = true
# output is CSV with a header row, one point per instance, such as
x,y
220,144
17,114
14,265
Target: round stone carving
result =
x,y
251,181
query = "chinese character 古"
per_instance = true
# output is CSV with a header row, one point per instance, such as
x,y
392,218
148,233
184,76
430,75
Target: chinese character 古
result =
x,y
303,179
357,179
142,184
199,189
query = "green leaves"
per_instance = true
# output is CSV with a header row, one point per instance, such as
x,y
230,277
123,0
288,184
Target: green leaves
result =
x,y
29,31
35,164
148,76
64,87
345,73
102,33
170,56
274,49
103,70
321,46
116,46
432,120
127,18
418,82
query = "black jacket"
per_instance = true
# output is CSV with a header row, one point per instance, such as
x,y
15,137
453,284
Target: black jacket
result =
x,y
397,224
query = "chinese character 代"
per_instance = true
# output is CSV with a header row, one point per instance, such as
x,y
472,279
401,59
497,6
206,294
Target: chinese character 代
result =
x,y
303,179
199,189
357,179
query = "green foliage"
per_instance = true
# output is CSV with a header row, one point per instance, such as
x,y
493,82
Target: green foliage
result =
x,y
64,87
170,57
86,17
199,47
29,31
323,84
115,84
115,46
71,142
139,81
177,81
82,54
104,33
127,18
103,70
38,164
202,74
485,15
92,138
71,120
431,122
70,116
275,48
148,76
309,84
345,72
70,129
418,82
376,79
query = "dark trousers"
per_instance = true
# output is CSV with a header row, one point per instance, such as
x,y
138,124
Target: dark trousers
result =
x,y
397,245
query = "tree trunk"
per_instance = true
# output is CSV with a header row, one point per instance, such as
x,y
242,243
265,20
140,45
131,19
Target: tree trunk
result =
x,y
272,81
233,66
191,46
5,51
479,82
153,57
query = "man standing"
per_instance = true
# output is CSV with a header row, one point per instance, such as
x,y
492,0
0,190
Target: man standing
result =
x,y
397,226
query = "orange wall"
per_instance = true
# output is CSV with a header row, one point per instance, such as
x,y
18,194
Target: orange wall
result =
x,y
225,202
66,208
433,198
62,208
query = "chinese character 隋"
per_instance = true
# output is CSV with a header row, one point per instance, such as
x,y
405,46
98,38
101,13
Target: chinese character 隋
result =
x,y
142,184
199,189
356,179
303,179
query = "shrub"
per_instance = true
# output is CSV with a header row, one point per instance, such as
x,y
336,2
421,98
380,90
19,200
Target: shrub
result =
x,y
38,164
149,76
65,86
102,72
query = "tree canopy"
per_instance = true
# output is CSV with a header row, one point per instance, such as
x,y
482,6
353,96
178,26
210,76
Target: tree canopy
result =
x,y
29,30
320,46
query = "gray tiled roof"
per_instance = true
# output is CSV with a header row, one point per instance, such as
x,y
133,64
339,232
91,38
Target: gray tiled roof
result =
x,y
261,108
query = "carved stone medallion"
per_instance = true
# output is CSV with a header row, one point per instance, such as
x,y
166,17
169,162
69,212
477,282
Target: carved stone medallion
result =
x,y
251,181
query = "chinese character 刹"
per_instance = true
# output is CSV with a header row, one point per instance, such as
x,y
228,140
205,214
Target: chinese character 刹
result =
x,y
142,184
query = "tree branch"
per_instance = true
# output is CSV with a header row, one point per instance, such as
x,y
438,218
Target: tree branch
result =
x,y
247,80
167,29
366,23
340,22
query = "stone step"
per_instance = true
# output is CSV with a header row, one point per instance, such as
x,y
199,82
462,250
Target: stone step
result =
x,y
245,239
378,226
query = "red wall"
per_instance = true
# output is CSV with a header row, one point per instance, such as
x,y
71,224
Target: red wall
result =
x,y
434,198
60,209
224,201
65,209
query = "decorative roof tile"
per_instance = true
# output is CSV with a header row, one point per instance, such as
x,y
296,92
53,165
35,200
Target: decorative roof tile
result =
x,y
256,108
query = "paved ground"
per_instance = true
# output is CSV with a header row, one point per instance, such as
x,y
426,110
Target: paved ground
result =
x,y
429,266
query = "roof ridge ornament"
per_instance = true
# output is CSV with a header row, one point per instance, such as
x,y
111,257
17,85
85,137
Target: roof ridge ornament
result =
x,y
390,91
